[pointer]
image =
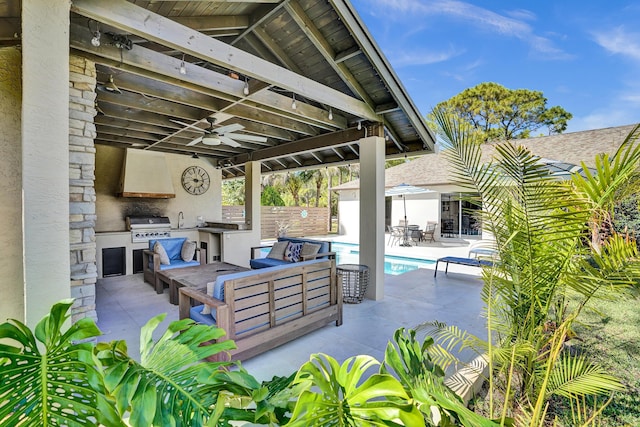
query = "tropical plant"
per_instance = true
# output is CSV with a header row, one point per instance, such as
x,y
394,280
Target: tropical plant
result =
x,y
51,378
270,197
233,192
423,380
75,382
341,395
539,224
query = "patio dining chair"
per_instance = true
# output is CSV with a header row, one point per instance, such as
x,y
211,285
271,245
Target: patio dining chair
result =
x,y
396,235
429,232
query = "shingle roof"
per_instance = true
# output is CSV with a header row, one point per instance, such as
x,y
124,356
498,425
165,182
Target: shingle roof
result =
x,y
572,147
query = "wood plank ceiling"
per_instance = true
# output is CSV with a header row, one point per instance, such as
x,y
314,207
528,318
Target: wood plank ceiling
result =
x,y
243,63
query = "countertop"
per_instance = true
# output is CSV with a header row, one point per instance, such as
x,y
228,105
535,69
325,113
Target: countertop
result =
x,y
215,230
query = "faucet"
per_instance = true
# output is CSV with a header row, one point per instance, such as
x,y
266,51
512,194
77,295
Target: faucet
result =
x,y
180,219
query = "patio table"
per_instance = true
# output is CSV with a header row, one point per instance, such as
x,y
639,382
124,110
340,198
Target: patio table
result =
x,y
197,276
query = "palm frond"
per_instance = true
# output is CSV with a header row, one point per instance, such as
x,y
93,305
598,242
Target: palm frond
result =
x,y
574,376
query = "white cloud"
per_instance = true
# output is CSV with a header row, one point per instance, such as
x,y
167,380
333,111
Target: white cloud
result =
x,y
477,16
620,41
413,57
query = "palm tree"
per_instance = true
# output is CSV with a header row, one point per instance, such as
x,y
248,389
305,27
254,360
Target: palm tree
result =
x,y
539,224
293,182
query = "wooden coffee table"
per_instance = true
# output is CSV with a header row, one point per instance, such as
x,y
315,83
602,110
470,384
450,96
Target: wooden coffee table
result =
x,y
197,276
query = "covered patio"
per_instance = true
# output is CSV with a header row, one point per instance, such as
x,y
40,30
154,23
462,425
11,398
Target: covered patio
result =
x,y
237,88
126,303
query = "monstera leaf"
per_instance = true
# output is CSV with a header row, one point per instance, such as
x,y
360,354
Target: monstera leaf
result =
x,y
58,385
166,387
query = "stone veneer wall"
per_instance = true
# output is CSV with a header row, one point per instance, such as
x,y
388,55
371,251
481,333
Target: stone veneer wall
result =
x,y
82,195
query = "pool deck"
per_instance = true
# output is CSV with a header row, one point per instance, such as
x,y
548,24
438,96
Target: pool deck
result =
x,y
125,303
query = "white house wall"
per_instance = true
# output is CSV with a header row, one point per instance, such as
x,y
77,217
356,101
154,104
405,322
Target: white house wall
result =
x,y
112,210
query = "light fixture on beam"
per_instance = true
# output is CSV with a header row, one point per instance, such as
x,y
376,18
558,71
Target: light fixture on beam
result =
x,y
95,40
245,90
330,114
359,124
195,156
110,86
294,105
183,67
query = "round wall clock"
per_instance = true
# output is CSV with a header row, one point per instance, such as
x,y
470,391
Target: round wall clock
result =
x,y
195,180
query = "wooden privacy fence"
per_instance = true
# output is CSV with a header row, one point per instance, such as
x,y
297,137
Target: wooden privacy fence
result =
x,y
299,221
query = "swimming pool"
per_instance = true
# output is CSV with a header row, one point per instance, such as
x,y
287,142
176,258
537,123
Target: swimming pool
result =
x,y
348,253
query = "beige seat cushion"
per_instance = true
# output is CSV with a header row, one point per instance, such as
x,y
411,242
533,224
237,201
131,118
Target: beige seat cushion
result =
x,y
309,249
277,250
159,249
207,308
188,250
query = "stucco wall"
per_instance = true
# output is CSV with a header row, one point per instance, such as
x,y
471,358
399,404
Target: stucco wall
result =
x,y
112,210
11,286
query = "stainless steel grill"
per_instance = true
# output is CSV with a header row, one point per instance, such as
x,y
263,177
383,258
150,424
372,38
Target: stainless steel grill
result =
x,y
144,228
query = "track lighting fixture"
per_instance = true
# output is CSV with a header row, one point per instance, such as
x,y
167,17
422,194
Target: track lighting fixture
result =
x,y
95,40
183,67
195,156
245,90
330,114
293,102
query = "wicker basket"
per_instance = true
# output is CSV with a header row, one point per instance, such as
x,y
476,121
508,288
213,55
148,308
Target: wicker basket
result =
x,y
355,279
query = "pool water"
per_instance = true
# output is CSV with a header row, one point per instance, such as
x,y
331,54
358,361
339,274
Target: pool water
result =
x,y
349,253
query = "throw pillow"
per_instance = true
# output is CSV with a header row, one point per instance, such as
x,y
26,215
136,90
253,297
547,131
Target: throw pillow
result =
x,y
207,308
309,249
159,249
277,250
293,252
188,250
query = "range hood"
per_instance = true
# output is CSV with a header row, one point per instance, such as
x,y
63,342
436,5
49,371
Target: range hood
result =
x,y
145,174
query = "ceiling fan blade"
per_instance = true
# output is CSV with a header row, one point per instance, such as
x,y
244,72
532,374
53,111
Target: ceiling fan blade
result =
x,y
195,141
229,128
245,137
228,141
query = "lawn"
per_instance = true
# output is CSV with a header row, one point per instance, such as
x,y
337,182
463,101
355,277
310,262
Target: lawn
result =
x,y
611,337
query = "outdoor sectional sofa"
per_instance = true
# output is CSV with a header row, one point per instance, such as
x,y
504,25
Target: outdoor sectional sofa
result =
x,y
310,249
262,309
173,248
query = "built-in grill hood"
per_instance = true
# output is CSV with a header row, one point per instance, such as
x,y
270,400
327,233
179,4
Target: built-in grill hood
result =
x,y
145,174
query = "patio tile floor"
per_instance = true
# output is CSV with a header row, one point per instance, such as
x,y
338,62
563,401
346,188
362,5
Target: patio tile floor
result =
x,y
126,303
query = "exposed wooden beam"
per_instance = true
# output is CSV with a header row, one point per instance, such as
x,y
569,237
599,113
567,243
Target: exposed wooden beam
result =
x,y
10,29
262,14
214,22
387,108
156,66
223,1
336,139
348,14
347,54
144,23
315,36
153,105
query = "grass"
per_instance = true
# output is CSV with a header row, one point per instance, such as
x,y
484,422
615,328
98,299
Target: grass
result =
x,y
610,337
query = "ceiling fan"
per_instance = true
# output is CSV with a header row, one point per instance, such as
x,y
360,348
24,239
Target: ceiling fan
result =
x,y
223,135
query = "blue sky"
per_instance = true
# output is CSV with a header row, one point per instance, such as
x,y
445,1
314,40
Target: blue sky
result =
x,y
583,55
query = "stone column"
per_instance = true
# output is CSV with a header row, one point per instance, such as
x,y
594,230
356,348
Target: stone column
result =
x,y
82,195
